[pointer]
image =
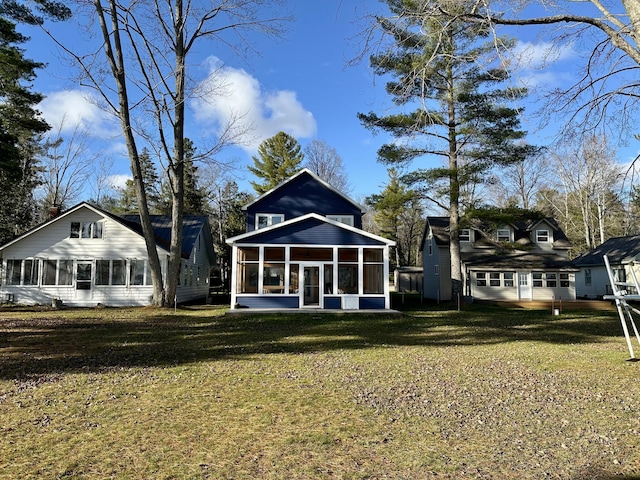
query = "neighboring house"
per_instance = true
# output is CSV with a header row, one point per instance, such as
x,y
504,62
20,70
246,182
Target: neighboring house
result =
x,y
305,248
87,256
593,280
535,267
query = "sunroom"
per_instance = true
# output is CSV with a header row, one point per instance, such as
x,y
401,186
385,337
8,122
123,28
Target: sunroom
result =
x,y
290,271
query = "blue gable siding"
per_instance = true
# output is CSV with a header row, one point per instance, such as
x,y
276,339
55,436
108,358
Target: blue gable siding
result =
x,y
311,232
303,195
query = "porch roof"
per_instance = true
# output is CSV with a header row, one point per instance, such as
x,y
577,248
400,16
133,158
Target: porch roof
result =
x,y
517,261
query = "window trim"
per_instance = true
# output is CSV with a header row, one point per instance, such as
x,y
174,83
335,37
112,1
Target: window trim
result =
x,y
270,219
546,234
341,219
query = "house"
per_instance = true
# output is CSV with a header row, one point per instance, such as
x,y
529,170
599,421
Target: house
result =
x,y
593,280
88,256
535,267
304,248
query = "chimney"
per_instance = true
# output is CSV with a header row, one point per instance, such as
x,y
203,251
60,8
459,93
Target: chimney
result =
x,y
54,211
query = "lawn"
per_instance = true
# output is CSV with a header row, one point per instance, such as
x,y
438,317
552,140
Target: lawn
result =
x,y
485,393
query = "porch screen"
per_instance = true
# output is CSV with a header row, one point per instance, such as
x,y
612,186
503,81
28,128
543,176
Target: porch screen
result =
x,y
347,270
248,264
373,279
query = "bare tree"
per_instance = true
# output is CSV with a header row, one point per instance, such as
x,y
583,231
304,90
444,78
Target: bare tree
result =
x,y
324,161
606,91
518,185
146,45
588,177
67,165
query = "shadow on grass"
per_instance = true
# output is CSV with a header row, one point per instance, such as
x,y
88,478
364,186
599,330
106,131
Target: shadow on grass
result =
x,y
41,344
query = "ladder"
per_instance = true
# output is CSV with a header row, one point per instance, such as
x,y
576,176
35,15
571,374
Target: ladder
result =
x,y
621,295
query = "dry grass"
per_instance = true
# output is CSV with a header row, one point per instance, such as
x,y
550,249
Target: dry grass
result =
x,y
483,393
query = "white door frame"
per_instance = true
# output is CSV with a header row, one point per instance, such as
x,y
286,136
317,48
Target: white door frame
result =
x,y
525,288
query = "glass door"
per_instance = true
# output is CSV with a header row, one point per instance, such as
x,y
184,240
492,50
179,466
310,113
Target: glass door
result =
x,y
311,286
83,276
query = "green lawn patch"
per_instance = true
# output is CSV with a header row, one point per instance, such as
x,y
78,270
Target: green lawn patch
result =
x,y
485,392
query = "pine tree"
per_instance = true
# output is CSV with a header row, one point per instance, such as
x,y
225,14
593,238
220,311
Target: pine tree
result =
x,y
280,157
21,129
128,203
453,107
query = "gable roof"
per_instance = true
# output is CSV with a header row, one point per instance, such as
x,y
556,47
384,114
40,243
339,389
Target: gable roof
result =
x,y
305,171
193,225
619,250
265,235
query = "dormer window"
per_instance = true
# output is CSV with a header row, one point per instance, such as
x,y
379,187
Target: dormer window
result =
x,y
267,219
504,235
465,235
542,236
346,219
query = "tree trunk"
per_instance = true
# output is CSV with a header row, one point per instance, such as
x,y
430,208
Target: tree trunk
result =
x,y
177,167
115,57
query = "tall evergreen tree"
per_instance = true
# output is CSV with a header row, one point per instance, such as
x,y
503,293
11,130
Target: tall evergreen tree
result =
x,y
21,129
128,202
453,106
279,157
391,207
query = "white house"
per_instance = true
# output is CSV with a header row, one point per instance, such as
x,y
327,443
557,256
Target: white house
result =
x,y
593,280
534,267
88,256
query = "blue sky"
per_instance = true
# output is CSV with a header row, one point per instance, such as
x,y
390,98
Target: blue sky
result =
x,y
300,84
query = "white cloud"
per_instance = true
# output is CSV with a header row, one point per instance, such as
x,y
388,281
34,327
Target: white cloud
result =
x,y
67,110
540,64
229,93
118,181
539,55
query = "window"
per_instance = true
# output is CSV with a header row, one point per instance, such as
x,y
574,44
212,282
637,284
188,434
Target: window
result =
x,y
373,271
31,272
481,279
542,236
102,272
346,219
303,254
508,279
267,219
436,270
537,279
504,235
273,273
110,272
551,278
86,230
248,265
347,270
587,276
14,268
57,272
328,279
430,247
465,235
139,272
494,279
565,281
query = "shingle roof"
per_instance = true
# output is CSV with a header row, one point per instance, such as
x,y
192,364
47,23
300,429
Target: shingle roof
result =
x,y
192,226
619,250
524,261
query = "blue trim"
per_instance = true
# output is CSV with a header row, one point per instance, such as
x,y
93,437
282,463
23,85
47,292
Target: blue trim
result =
x,y
332,303
311,231
269,301
372,303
